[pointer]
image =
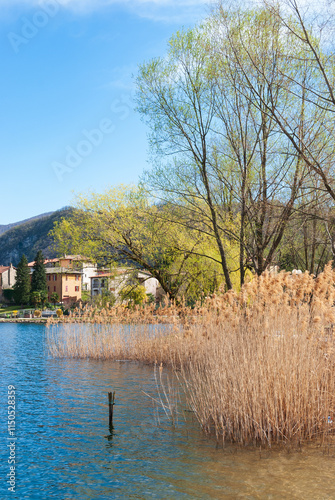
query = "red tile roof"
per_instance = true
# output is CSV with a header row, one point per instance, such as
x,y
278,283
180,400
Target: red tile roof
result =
x,y
67,257
47,261
102,275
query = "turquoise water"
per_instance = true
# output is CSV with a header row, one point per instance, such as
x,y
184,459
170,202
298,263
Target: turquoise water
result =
x,y
65,449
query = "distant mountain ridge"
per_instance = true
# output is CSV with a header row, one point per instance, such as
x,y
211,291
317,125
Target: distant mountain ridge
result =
x,y
6,227
29,236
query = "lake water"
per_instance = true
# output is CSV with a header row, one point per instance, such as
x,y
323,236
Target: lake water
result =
x,y
64,448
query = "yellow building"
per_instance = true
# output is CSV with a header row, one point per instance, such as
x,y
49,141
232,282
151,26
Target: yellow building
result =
x,y
65,282
63,278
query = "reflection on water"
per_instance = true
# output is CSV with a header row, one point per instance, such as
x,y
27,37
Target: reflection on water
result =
x,y
66,449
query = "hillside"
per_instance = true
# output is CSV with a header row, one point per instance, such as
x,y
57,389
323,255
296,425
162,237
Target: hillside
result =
x,y
28,237
6,227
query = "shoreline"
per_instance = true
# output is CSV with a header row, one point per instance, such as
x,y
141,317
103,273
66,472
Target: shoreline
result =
x,y
23,320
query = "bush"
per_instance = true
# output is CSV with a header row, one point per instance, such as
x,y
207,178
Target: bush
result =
x,y
134,295
151,299
8,294
37,313
59,313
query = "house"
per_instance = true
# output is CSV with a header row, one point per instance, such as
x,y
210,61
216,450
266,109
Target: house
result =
x,y
7,278
64,277
70,275
65,282
113,282
78,263
101,283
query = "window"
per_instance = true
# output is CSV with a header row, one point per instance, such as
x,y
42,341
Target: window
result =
x,y
76,288
54,288
77,277
66,288
55,277
48,277
48,288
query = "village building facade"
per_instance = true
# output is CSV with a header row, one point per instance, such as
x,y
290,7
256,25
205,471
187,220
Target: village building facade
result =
x,y
7,278
77,263
105,282
65,282
68,276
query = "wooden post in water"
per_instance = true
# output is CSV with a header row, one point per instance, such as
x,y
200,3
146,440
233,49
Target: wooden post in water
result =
x,y
111,401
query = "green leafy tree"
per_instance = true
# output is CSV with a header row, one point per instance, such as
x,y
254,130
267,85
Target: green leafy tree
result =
x,y
39,278
22,284
39,288
38,298
216,148
123,226
54,297
106,298
134,295
176,98
315,34
35,298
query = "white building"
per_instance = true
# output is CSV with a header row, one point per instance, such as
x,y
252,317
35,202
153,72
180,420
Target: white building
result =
x,y
113,282
7,277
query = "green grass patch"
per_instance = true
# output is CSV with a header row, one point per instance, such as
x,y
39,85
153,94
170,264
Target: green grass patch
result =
x,y
13,308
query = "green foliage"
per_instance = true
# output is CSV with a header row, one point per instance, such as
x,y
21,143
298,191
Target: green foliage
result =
x,y
38,298
54,297
133,294
85,295
105,298
123,226
150,298
39,278
240,136
22,285
9,294
29,237
213,105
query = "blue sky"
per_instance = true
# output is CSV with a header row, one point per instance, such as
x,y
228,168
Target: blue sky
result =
x,y
66,106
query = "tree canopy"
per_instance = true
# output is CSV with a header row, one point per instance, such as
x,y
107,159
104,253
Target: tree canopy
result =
x,y
38,278
123,226
22,282
242,145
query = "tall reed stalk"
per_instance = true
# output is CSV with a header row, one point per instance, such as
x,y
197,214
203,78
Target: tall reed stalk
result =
x,y
256,366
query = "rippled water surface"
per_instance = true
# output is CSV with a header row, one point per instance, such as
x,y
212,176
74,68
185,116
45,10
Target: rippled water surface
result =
x,y
65,449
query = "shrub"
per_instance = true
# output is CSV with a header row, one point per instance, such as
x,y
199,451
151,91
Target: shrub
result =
x,y
134,295
59,313
8,294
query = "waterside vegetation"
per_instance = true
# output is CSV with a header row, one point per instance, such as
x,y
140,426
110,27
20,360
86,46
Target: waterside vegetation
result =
x,y
255,366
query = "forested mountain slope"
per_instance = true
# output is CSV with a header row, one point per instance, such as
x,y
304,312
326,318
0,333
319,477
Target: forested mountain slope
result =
x,y
28,237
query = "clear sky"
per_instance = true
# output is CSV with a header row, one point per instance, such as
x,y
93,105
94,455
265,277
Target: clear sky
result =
x,y
66,109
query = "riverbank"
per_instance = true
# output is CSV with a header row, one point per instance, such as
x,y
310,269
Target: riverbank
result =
x,y
23,320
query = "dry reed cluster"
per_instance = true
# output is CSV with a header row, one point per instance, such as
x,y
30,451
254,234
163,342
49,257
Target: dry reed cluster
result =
x,y
256,366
